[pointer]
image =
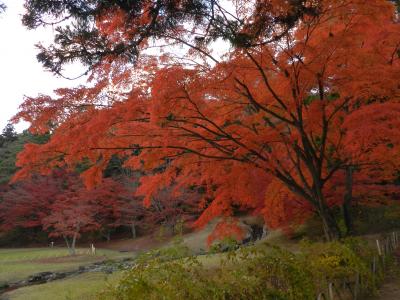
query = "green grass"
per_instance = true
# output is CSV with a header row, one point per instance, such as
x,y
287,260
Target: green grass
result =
x,y
17,264
82,287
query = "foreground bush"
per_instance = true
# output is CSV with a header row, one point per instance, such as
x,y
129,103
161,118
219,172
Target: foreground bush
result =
x,y
260,272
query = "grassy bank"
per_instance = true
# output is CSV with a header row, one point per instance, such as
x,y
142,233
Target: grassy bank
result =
x,y
82,287
17,264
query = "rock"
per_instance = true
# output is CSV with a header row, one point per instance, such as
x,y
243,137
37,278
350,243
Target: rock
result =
x,y
4,286
40,277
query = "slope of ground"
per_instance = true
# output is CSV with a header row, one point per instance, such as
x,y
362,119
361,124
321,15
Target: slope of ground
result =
x,y
82,287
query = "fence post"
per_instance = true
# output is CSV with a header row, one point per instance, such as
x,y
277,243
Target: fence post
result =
x,y
374,265
393,240
330,290
385,247
93,249
357,286
379,248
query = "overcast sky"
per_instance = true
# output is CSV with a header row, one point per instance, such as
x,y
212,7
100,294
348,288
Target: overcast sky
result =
x,y
20,73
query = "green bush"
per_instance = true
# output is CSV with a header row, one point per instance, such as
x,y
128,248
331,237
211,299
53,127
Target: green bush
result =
x,y
257,272
261,275
338,261
224,245
175,251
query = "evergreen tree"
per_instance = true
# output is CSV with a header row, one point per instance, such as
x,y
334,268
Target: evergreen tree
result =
x,y
10,149
9,134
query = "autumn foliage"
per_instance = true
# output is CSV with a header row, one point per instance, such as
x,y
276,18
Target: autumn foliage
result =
x,y
272,127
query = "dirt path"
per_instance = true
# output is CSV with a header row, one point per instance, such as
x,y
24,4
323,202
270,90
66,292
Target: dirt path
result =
x,y
128,245
391,288
390,291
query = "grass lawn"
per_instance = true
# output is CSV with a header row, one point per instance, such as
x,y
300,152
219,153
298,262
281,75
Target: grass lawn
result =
x,y
82,287
17,264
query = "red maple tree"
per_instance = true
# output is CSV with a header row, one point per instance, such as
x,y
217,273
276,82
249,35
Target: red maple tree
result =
x,y
274,118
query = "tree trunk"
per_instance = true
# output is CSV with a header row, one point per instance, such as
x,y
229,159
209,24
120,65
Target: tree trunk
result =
x,y
107,235
69,246
66,241
73,244
330,226
133,230
348,197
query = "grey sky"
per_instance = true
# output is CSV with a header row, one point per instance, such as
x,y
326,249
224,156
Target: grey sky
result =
x,y
20,73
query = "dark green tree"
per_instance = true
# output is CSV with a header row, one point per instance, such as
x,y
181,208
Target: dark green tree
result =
x,y
9,151
80,38
9,134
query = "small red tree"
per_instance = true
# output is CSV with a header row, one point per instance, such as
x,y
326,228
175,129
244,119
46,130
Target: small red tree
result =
x,y
69,218
71,214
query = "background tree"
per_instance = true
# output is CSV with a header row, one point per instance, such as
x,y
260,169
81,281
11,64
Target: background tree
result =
x,y
8,134
106,200
69,218
24,205
59,203
11,147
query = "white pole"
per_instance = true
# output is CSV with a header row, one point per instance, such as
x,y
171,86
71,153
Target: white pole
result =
x,y
379,248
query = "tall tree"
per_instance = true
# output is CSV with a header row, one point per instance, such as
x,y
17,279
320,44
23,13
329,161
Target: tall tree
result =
x,y
281,112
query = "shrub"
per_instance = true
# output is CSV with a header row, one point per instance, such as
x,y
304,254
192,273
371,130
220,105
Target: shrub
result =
x,y
338,262
224,245
175,251
257,272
